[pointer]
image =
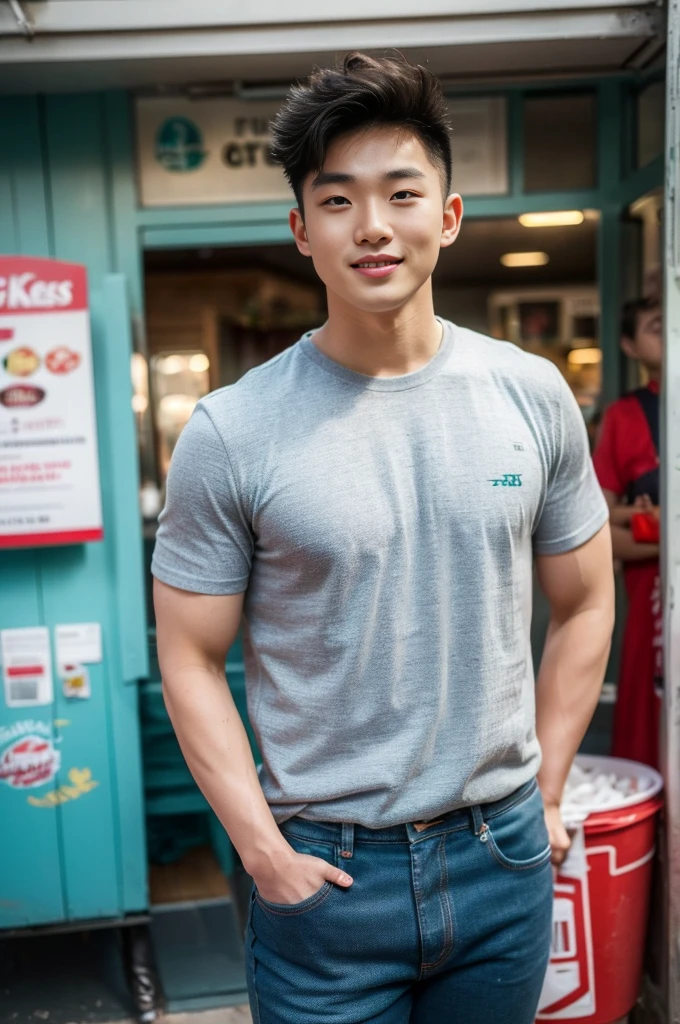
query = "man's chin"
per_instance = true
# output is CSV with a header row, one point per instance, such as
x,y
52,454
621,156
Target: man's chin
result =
x,y
379,302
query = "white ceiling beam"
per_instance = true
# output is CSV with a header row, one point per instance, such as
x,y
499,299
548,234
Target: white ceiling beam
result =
x,y
66,16
338,37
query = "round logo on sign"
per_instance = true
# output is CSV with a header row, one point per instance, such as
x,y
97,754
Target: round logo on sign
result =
x,y
179,145
31,761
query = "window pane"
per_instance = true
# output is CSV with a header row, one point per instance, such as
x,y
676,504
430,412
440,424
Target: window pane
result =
x,y
559,142
651,111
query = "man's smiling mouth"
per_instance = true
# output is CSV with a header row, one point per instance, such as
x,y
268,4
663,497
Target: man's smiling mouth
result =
x,y
386,262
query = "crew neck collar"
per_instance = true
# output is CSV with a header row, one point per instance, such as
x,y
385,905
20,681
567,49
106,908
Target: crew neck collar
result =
x,y
402,382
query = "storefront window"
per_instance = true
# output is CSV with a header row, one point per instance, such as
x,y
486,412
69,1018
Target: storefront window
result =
x,y
560,142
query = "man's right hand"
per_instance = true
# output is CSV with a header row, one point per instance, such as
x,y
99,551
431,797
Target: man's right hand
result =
x,y
298,877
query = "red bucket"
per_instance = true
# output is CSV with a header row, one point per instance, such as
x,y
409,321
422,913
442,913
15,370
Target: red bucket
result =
x,y
601,908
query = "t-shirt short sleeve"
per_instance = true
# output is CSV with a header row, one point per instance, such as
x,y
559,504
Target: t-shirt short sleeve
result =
x,y
574,508
606,457
204,542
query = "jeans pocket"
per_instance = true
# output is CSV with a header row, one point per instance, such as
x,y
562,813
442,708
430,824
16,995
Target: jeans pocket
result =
x,y
312,848
517,838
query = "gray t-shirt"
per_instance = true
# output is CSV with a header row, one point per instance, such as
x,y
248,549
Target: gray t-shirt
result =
x,y
382,529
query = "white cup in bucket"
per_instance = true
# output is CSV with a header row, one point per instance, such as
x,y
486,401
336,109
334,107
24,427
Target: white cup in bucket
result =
x,y
597,784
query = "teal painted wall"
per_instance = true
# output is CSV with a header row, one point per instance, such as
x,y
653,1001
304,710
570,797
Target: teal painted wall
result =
x,y
66,191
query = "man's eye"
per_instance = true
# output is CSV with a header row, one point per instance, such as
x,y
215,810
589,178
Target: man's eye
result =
x,y
404,194
336,201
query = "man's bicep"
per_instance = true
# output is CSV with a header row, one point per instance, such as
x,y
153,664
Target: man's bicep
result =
x,y
196,629
578,579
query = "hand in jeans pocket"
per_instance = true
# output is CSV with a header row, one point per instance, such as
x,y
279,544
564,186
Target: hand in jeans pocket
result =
x,y
301,874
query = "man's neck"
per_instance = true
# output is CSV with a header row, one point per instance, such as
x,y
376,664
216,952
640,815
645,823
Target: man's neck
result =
x,y
381,344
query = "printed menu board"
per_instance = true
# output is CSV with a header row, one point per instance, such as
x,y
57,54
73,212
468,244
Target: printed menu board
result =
x,y
49,468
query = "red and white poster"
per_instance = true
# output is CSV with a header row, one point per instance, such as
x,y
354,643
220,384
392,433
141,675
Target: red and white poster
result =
x,y
49,468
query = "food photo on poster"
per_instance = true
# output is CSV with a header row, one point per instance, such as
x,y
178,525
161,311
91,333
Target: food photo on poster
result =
x,y
49,470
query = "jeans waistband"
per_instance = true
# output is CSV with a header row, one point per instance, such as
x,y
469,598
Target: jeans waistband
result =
x,y
347,834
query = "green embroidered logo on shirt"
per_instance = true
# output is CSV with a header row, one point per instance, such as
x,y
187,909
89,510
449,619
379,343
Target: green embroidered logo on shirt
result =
x,y
508,480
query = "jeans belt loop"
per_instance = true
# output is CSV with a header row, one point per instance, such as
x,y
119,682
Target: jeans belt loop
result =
x,y
477,818
347,840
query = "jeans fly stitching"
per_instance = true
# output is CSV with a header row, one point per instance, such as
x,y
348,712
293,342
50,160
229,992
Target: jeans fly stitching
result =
x,y
446,909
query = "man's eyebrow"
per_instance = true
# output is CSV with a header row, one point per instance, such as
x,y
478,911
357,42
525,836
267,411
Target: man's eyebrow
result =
x,y
403,172
332,178
342,178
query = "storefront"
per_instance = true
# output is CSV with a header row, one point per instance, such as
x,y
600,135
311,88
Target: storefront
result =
x,y
135,143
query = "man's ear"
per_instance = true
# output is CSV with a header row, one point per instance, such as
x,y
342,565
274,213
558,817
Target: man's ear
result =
x,y
453,216
629,347
297,226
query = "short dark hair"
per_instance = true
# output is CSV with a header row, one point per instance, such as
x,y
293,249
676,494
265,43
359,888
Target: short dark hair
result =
x,y
630,311
360,93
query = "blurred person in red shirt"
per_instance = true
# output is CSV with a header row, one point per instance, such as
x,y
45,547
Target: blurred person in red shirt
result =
x,y
626,461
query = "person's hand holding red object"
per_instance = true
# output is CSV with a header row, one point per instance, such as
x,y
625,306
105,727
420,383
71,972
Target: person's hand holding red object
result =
x,y
644,524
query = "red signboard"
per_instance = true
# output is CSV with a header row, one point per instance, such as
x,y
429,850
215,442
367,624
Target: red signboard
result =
x,y
49,469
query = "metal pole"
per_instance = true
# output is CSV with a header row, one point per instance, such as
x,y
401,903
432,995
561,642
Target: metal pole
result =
x,y
670,425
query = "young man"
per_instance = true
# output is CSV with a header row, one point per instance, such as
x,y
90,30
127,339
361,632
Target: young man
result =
x,y
370,501
627,465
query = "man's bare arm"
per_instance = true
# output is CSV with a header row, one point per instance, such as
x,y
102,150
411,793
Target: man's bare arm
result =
x,y
624,546
194,633
579,586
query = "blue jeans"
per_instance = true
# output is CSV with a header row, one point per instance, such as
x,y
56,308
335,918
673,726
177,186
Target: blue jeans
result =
x,y
445,923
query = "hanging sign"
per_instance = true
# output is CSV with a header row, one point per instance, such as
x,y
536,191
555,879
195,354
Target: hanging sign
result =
x,y
49,469
206,151
216,150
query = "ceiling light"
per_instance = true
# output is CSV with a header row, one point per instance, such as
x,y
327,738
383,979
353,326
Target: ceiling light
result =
x,y
584,357
551,219
172,364
139,373
524,259
199,363
140,403
176,407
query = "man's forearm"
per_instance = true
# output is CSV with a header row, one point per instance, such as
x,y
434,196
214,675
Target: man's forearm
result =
x,y
569,683
216,748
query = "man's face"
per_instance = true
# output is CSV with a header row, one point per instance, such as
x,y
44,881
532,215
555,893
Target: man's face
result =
x,y
647,346
375,219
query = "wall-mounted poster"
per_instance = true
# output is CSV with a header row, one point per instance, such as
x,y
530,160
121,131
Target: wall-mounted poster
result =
x,y
49,468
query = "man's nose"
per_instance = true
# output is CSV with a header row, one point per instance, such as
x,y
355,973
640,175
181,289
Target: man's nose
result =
x,y
372,228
